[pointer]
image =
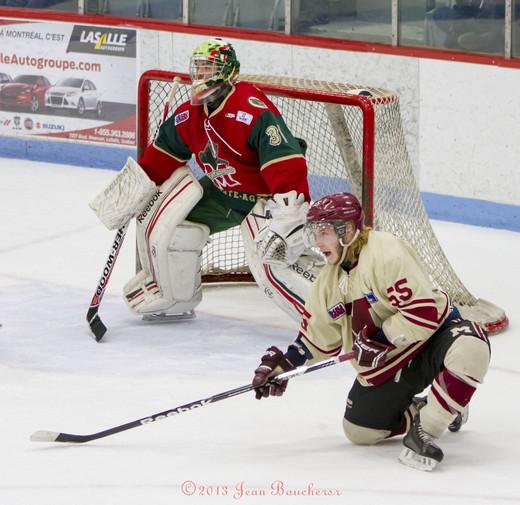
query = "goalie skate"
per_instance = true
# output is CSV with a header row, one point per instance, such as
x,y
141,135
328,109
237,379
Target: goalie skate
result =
x,y
169,318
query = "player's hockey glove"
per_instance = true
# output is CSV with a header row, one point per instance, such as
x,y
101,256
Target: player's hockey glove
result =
x,y
283,244
273,362
369,352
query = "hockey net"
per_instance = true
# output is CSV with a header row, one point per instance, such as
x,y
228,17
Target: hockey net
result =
x,y
355,143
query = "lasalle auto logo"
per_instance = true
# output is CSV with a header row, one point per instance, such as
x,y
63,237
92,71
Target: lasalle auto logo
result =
x,y
102,40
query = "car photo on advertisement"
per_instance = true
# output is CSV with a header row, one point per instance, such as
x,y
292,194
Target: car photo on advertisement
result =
x,y
4,78
75,95
25,92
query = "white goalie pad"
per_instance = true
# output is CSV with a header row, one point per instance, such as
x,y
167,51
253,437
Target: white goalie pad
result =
x,y
177,269
169,249
124,197
287,285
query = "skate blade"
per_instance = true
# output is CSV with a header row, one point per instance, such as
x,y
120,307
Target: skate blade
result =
x,y
169,318
412,459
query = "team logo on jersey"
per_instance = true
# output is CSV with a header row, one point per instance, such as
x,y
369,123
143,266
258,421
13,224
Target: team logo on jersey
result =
x,y
256,102
183,116
244,117
218,170
229,115
337,311
371,298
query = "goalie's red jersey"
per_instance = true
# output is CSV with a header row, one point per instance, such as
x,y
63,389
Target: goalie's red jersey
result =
x,y
243,146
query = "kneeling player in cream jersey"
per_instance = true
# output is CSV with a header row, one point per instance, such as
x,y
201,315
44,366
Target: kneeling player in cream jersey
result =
x,y
249,157
373,297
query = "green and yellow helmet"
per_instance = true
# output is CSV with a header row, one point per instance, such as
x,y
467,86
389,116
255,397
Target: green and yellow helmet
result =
x,y
213,65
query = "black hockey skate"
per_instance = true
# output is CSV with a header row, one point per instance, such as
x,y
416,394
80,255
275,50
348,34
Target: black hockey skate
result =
x,y
456,424
420,451
460,420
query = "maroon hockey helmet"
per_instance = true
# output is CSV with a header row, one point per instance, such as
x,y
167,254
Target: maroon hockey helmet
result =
x,y
337,207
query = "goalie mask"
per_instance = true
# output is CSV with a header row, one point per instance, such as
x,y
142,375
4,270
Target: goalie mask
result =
x,y
213,66
333,224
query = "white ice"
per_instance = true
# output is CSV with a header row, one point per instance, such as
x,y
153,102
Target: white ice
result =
x,y
54,376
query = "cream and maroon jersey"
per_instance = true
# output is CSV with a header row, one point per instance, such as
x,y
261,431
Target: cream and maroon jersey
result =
x,y
387,289
243,146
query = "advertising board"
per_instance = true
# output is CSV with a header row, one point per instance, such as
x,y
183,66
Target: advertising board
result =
x,y
68,81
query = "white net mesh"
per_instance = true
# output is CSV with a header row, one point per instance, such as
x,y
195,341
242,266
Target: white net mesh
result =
x,y
330,118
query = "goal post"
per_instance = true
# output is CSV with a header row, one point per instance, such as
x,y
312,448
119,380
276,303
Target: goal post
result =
x,y
355,142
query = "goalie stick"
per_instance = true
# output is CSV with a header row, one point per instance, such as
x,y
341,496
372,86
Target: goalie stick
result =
x,y
97,327
52,436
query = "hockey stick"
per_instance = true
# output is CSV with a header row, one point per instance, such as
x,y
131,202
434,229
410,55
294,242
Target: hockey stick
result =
x,y
52,436
97,327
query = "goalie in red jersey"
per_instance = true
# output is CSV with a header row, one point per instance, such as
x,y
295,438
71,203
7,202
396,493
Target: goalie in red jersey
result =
x,y
249,159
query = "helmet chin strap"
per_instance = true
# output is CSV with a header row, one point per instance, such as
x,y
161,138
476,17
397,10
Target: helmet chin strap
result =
x,y
346,246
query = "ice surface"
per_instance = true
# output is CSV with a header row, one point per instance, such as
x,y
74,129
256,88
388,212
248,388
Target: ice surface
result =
x,y
53,376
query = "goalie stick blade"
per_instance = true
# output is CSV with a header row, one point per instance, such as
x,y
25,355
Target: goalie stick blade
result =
x,y
97,327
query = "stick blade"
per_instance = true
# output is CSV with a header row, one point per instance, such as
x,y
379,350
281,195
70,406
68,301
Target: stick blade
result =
x,y
44,436
97,327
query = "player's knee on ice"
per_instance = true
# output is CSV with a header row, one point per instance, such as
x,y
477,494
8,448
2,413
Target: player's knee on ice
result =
x,y
361,435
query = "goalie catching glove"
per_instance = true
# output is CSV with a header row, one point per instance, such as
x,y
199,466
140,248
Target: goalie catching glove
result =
x,y
283,242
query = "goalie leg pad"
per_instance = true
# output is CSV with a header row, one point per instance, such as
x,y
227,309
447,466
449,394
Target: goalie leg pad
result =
x,y
168,207
141,291
177,266
286,285
149,291
184,262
